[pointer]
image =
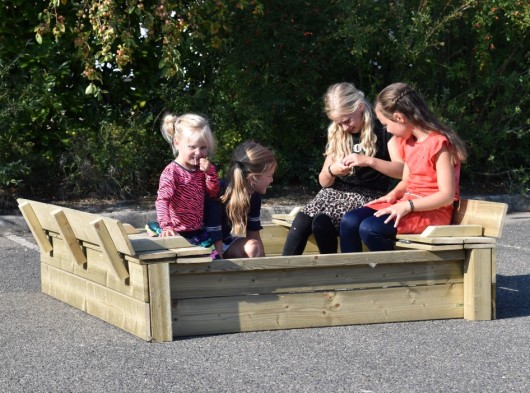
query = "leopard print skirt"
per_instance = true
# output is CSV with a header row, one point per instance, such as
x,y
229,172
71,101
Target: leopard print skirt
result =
x,y
335,201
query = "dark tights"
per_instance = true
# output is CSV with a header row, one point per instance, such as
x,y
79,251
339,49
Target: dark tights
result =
x,y
303,226
361,226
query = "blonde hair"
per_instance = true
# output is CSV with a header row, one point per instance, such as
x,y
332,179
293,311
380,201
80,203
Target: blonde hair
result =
x,y
344,99
174,128
400,97
250,159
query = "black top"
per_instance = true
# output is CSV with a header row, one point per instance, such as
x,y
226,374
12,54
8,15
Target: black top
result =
x,y
367,176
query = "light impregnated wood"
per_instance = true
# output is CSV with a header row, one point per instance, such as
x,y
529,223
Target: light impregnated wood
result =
x,y
469,246
109,249
97,270
72,245
493,284
284,220
490,215
452,231
80,223
410,245
143,242
130,230
160,302
316,309
168,256
155,256
478,284
308,261
273,238
287,219
446,239
191,251
113,307
313,279
35,226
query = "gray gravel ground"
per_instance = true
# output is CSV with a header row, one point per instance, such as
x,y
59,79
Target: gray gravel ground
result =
x,y
48,346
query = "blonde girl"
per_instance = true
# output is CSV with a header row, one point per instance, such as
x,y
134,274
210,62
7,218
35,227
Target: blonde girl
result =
x,y
186,181
430,185
251,171
360,158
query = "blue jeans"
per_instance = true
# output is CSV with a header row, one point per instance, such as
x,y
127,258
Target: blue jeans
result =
x,y
360,225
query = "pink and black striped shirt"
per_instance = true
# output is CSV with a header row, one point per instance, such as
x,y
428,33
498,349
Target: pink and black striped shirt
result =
x,y
181,193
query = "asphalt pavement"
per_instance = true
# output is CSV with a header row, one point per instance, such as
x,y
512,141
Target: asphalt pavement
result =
x,y
48,346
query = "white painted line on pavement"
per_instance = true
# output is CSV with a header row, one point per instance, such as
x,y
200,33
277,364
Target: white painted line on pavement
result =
x,y
515,247
22,242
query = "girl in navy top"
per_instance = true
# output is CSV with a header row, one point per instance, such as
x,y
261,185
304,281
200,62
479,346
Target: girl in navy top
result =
x,y
251,171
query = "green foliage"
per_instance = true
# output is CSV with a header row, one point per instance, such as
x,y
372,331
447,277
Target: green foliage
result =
x,y
115,161
82,88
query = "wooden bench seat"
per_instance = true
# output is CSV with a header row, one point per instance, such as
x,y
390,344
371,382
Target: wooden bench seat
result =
x,y
474,222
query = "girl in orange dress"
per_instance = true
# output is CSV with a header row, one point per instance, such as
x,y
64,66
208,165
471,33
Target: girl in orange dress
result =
x,y
430,183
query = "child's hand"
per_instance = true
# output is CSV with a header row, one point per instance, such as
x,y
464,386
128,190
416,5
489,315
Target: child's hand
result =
x,y
395,211
167,232
204,164
339,169
355,159
388,198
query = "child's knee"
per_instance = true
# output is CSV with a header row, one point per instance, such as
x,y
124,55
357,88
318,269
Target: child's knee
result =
x,y
322,223
254,249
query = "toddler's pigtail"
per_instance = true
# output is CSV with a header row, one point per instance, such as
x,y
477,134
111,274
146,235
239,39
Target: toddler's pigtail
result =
x,y
168,131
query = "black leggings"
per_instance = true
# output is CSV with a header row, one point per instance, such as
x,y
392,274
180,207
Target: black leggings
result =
x,y
303,225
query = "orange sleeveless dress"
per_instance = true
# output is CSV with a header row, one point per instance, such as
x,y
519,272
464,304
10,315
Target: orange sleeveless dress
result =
x,y
422,182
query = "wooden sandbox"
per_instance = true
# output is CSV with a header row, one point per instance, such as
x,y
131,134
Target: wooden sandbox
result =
x,y
161,288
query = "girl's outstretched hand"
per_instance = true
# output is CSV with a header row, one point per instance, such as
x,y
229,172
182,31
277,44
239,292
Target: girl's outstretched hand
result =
x,y
395,211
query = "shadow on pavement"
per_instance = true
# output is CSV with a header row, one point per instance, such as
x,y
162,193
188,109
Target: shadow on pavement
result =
x,y
513,296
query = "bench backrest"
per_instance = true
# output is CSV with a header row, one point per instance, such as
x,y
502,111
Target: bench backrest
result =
x,y
482,218
489,215
83,226
111,236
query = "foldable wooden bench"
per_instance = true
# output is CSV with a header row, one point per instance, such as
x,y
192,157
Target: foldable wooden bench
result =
x,y
474,222
104,267
161,288
476,226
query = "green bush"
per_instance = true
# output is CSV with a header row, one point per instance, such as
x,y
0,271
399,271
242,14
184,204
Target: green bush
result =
x,y
258,70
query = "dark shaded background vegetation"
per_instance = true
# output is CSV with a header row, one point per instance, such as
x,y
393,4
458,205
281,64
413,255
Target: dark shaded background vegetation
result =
x,y
82,88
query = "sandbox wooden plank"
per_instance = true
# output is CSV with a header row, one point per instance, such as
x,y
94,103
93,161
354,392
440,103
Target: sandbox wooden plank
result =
x,y
160,302
302,261
313,279
97,270
142,242
446,239
113,307
477,285
35,227
72,244
109,249
318,309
